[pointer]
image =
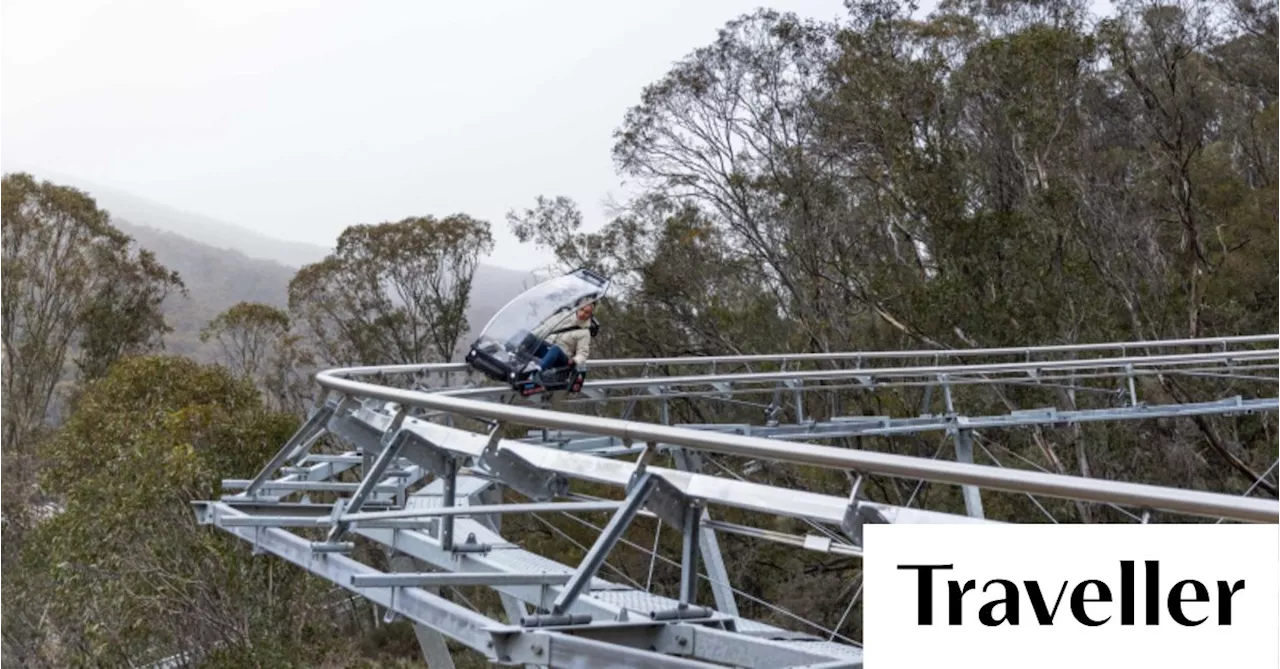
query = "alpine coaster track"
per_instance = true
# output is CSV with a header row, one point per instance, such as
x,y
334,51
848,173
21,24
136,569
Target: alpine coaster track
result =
x,y
423,461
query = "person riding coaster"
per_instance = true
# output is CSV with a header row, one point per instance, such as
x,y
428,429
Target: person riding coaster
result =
x,y
559,349
541,340
564,346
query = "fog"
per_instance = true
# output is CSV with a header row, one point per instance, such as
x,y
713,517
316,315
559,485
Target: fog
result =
x,y
296,119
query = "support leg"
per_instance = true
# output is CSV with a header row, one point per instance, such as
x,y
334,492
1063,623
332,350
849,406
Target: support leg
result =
x,y
434,649
964,453
450,492
689,556
709,545
516,611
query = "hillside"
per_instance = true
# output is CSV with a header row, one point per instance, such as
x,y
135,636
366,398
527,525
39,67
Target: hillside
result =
x,y
222,263
215,279
141,211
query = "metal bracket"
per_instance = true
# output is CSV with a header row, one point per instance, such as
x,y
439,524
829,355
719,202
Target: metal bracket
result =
x,y
682,613
859,513
668,502
425,454
520,475
530,649
332,546
468,546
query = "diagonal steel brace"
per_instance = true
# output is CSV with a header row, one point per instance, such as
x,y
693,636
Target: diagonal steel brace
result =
x,y
371,479
604,543
301,440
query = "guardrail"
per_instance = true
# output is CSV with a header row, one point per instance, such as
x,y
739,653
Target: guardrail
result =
x,y
861,462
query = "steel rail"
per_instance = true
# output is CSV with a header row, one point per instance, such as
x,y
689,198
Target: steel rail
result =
x,y
847,355
865,462
884,377
935,370
1041,381
948,353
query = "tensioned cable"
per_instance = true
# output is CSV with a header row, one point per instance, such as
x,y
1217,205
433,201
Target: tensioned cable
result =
x,y
1006,449
657,532
584,549
828,533
1029,495
921,482
734,590
852,601
1256,482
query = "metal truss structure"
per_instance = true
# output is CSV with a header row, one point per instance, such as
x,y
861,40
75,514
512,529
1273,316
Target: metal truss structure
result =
x,y
428,463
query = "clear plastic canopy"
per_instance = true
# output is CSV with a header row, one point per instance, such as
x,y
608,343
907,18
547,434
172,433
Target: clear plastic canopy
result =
x,y
541,309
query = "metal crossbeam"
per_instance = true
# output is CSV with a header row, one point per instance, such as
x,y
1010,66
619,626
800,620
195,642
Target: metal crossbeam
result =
x,y
436,579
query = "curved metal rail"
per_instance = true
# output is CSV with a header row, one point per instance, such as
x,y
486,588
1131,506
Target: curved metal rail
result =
x,y
452,522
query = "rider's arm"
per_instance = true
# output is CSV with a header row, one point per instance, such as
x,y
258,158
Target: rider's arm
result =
x,y
584,348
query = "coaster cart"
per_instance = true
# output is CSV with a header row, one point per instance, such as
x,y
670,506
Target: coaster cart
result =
x,y
508,345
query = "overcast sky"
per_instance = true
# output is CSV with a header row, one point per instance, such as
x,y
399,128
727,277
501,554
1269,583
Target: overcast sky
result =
x,y
298,118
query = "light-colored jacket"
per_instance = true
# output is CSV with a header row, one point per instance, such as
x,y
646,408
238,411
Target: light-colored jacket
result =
x,y
575,339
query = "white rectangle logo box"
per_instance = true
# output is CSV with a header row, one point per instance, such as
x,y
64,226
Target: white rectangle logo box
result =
x,y
1082,595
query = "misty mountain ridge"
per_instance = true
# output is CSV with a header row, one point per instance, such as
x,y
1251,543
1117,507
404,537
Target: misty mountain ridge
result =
x,y
141,211
217,279
222,264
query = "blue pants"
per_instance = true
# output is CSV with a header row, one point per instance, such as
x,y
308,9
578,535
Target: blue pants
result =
x,y
552,356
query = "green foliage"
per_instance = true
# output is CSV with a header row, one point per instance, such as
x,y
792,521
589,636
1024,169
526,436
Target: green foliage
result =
x,y
123,571
246,333
256,342
169,408
125,316
392,292
993,174
70,279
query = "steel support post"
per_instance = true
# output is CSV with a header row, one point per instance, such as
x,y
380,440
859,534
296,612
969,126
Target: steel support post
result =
x,y
798,390
447,500
709,544
434,648
689,556
516,611
964,453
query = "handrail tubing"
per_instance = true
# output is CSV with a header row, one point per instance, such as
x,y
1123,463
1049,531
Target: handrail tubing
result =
x,y
845,355
867,462
936,370
1040,381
